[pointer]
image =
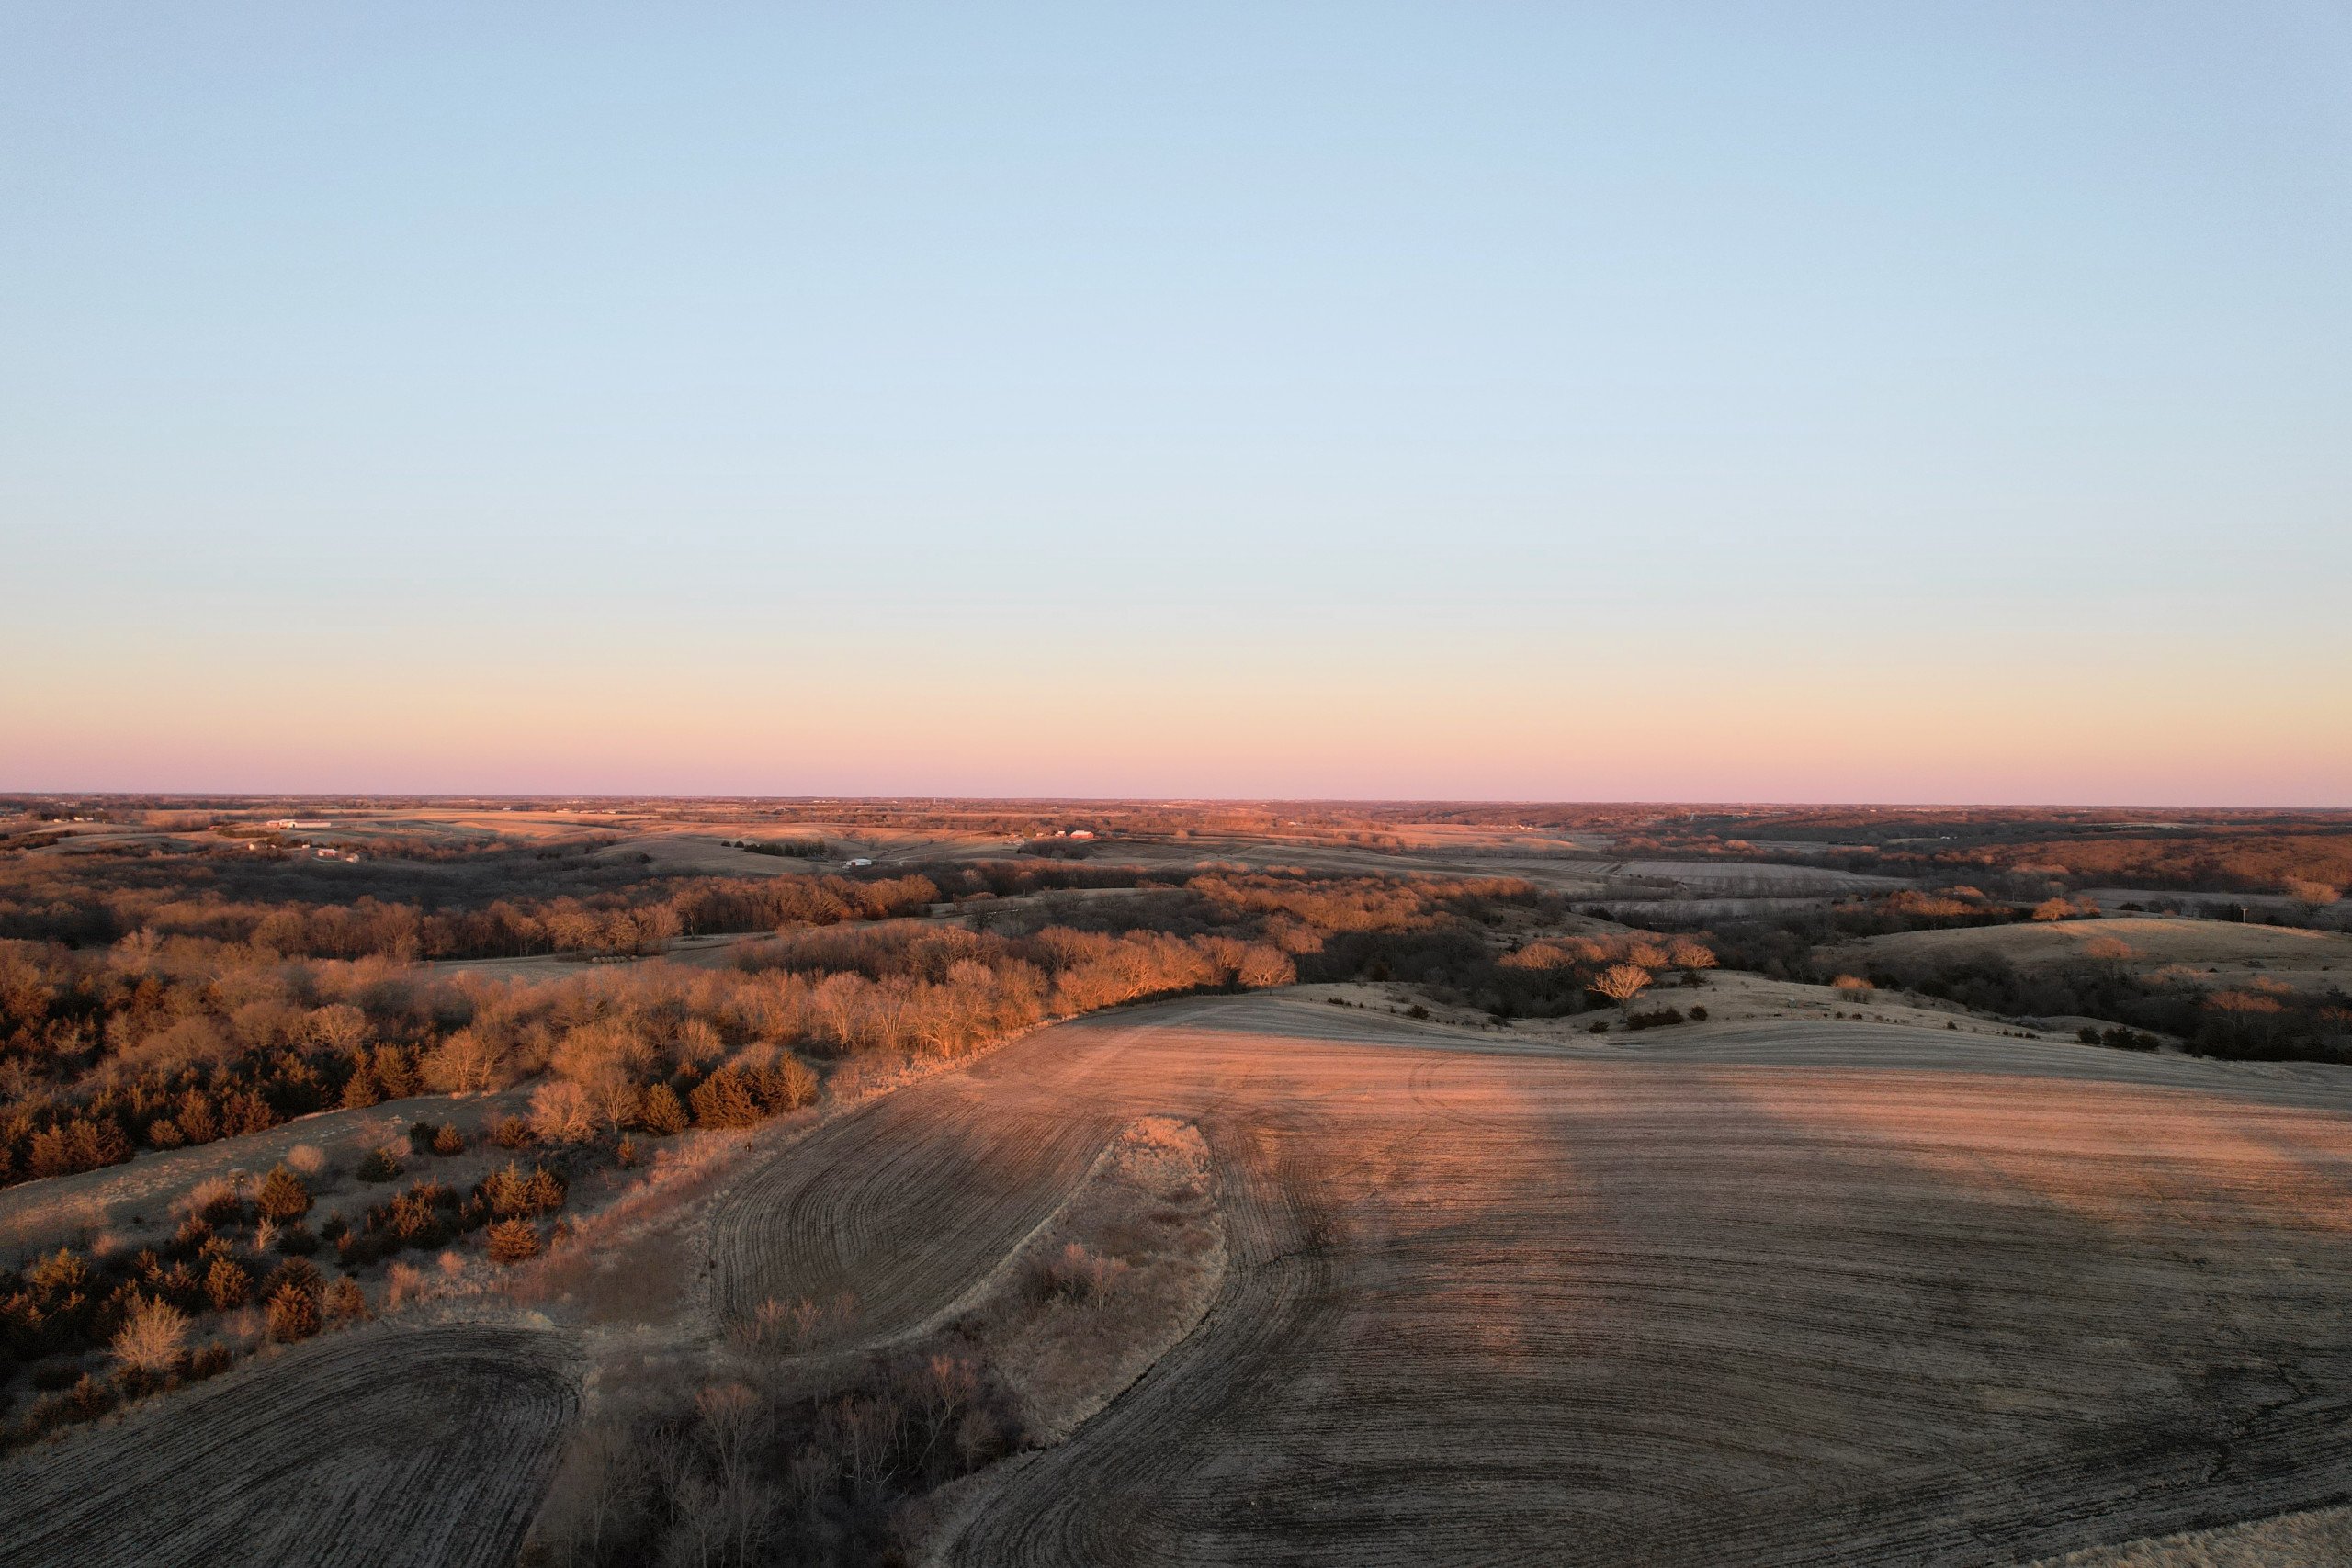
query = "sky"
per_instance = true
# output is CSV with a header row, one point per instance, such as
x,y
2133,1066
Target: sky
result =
x,y
1742,402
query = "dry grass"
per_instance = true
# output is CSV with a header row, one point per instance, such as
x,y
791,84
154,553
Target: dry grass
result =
x,y
2215,951
2291,1540
1126,1270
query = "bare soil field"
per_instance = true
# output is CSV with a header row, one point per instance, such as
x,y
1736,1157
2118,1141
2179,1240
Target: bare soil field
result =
x,y
834,1213
1775,1292
390,1445
2220,951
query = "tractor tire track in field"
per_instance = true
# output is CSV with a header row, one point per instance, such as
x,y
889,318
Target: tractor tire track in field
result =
x,y
390,1445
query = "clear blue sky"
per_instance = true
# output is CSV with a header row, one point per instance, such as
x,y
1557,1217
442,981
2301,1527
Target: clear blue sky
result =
x,y
1885,401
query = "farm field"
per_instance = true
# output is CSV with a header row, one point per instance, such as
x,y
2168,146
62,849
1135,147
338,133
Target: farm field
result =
x,y
2219,950
387,1445
1773,1295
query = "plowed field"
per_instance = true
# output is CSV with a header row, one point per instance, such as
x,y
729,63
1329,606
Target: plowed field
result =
x,y
1757,1293
375,1447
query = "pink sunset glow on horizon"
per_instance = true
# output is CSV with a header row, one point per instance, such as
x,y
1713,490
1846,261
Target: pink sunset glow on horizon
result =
x,y
1560,407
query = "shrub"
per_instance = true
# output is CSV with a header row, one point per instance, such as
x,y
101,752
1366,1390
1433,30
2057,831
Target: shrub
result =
x,y
560,1113
345,1303
299,1272
1658,1019
282,1196
296,1241
411,1219
723,1101
660,1113
2064,908
86,1401
514,1241
1620,983
51,1376
509,1193
215,1200
378,1165
626,1154
152,1339
293,1313
778,1324
226,1284
449,1141
786,1087
360,1090
510,1132
1077,1275
1690,957
1699,1014
61,1273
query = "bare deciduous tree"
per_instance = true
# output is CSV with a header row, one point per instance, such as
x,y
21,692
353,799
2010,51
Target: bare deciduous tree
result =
x,y
561,1113
1687,953
1620,983
152,1339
